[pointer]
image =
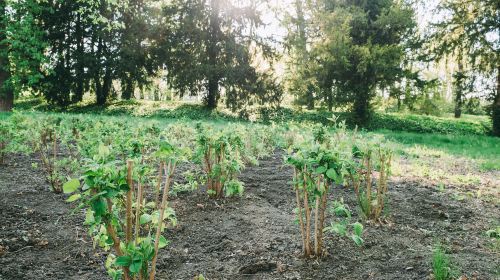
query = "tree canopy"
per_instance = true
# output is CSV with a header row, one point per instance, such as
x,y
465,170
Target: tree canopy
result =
x,y
339,54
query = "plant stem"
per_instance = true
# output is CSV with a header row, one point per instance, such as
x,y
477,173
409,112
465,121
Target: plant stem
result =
x,y
308,216
322,215
368,185
116,240
316,220
130,166
169,172
138,211
301,221
158,184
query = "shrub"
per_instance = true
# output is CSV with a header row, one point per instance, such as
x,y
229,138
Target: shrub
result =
x,y
427,124
220,153
371,195
119,215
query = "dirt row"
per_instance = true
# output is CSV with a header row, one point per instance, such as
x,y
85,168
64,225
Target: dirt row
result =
x,y
252,237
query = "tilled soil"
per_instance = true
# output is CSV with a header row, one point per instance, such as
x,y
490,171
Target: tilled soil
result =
x,y
252,237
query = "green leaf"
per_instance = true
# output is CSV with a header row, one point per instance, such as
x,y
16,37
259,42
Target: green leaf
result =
x,y
163,242
339,229
123,261
99,207
320,170
135,266
332,174
358,228
71,186
145,218
73,197
358,240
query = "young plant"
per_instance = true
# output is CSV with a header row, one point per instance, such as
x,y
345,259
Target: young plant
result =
x,y
442,268
47,147
343,226
118,213
315,170
371,193
220,154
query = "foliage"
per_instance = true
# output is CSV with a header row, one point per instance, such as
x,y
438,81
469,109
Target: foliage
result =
x,y
25,44
494,233
5,138
342,224
428,124
64,49
361,49
469,30
108,194
300,80
220,153
319,164
441,264
371,196
208,45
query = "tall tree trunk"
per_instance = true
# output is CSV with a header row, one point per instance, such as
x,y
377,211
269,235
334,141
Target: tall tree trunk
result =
x,y
127,89
310,99
6,93
301,46
361,107
496,107
330,101
213,79
459,87
80,68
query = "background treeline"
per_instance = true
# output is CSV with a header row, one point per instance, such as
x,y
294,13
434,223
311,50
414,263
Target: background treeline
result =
x,y
342,55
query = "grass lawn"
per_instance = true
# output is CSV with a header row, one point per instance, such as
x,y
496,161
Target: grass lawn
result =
x,y
484,149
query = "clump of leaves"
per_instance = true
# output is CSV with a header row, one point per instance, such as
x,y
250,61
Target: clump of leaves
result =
x,y
192,183
343,226
371,193
315,170
494,233
118,214
220,153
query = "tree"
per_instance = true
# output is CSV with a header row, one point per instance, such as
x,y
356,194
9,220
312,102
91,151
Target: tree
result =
x,y
22,47
300,79
361,49
64,49
208,47
6,92
135,63
471,29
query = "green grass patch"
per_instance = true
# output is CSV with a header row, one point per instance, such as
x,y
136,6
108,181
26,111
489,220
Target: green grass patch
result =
x,y
468,125
484,149
441,264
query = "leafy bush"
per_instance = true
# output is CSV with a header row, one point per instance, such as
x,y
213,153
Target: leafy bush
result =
x,y
319,163
427,124
220,153
131,225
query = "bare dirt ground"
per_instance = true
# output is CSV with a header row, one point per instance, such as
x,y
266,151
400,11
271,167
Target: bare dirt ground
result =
x,y
252,237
